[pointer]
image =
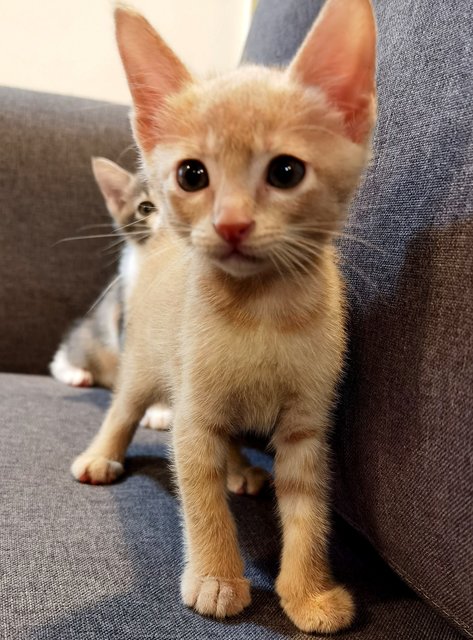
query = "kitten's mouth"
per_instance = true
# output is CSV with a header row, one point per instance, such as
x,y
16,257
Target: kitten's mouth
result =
x,y
236,254
238,263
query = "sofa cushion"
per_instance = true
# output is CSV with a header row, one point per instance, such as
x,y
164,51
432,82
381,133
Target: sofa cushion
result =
x,y
78,561
404,442
48,193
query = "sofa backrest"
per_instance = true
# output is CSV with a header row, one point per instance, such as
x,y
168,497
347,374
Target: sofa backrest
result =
x,y
47,194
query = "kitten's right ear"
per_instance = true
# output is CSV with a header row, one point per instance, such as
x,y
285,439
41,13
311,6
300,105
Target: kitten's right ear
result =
x,y
153,72
339,56
113,182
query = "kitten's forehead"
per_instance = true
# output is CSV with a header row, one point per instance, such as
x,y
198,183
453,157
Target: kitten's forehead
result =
x,y
244,110
139,188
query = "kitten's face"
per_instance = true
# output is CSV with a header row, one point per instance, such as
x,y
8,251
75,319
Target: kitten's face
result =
x,y
255,168
138,217
255,171
129,201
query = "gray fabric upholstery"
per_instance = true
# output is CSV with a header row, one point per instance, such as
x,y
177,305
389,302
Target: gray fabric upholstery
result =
x,y
47,193
96,563
404,443
277,30
91,562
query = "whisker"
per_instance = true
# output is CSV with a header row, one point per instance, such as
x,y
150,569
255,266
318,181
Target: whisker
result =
x,y
130,224
125,150
311,249
117,243
343,236
351,283
296,259
103,294
93,226
275,263
115,260
308,247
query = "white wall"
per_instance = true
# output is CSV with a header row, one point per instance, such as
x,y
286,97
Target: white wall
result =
x,y
67,46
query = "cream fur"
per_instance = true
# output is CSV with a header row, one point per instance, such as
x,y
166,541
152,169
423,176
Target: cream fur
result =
x,y
256,341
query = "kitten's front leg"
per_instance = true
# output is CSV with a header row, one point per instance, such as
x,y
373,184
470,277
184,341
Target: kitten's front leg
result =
x,y
213,582
102,461
308,593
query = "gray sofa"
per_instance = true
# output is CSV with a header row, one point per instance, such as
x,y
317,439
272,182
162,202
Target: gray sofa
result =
x,y
104,562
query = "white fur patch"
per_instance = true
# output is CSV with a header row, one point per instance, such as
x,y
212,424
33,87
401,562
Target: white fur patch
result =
x,y
129,267
158,417
65,372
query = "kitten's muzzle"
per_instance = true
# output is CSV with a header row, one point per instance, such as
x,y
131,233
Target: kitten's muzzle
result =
x,y
234,232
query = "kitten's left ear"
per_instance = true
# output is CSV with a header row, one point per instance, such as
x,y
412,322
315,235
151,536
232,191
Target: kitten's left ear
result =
x,y
113,182
153,71
339,56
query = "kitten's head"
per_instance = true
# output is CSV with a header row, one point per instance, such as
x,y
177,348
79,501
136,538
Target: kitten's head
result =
x,y
129,201
256,168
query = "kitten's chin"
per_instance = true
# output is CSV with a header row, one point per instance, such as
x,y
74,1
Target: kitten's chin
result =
x,y
239,266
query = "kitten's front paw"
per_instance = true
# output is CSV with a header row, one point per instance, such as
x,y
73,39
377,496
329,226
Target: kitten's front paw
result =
x,y
67,373
94,469
324,612
217,597
158,417
247,481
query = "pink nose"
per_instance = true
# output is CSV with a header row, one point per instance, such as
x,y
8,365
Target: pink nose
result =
x,y
234,232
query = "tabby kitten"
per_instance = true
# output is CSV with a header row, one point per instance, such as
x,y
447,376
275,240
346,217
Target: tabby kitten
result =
x,y
89,352
238,319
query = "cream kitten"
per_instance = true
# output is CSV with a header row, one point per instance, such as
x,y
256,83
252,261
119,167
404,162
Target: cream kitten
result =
x,y
238,321
89,353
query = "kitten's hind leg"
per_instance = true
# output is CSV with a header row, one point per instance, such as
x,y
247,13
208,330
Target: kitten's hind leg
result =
x,y
158,416
102,461
242,478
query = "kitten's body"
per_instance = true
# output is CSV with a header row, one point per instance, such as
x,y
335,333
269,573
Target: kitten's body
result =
x,y
237,318
89,353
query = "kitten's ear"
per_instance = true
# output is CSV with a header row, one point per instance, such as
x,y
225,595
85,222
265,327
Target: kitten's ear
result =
x,y
339,56
113,182
153,71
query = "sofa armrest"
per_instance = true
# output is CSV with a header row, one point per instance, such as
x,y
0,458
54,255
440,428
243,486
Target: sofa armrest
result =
x,y
47,193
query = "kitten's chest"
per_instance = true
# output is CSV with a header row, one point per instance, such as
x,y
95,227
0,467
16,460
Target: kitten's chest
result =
x,y
250,374
129,268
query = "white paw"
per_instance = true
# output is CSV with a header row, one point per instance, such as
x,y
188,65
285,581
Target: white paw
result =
x,y
217,597
247,481
95,469
158,417
65,372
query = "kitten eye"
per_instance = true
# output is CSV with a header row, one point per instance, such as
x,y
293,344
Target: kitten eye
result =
x,y
192,175
146,207
285,172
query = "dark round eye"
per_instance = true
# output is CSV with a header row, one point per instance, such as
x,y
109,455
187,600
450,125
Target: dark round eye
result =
x,y
285,172
192,175
146,207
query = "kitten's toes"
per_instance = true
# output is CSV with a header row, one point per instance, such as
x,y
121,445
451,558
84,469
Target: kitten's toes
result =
x,y
158,417
325,612
80,378
247,481
95,469
75,377
217,597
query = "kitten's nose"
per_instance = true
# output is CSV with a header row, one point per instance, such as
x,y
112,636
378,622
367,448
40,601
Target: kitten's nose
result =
x,y
234,232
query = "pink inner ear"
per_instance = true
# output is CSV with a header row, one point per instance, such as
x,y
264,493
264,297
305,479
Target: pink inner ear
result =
x,y
339,56
113,182
153,71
